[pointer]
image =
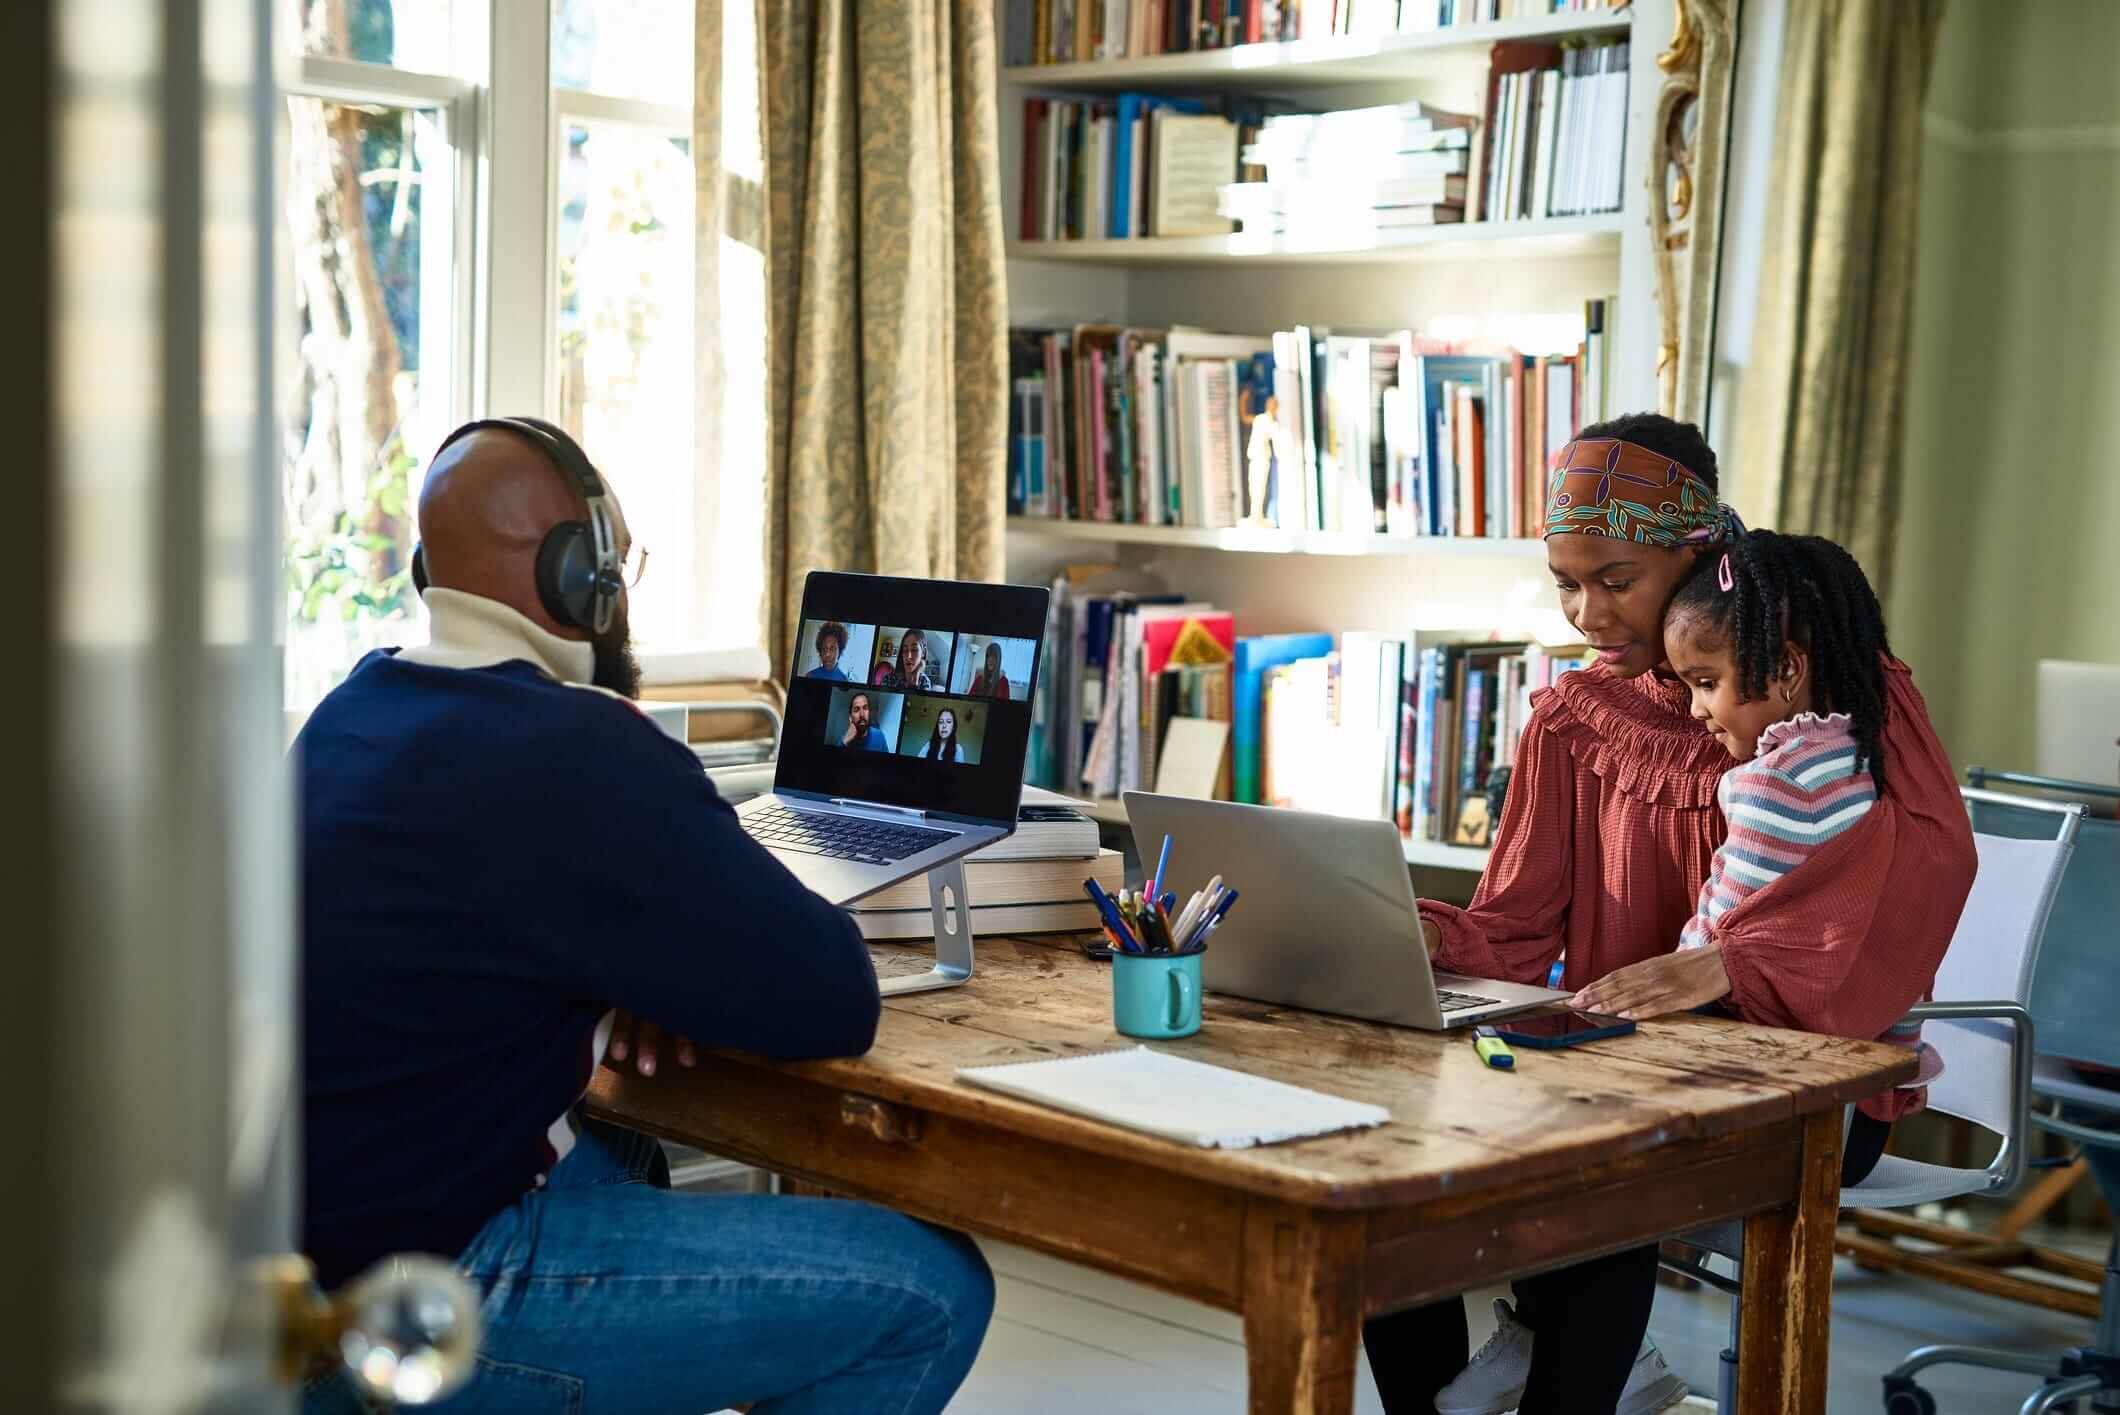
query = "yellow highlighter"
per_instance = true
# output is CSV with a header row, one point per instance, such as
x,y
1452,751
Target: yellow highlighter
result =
x,y
1492,1049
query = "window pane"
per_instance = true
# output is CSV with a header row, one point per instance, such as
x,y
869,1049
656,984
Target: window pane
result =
x,y
625,345
742,152
736,592
625,48
406,34
369,240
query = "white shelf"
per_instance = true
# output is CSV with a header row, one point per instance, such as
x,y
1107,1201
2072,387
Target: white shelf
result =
x,y
1552,238
1265,542
1340,59
1431,854
1437,855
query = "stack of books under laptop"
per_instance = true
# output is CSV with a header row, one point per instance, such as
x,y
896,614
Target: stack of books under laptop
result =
x,y
1029,883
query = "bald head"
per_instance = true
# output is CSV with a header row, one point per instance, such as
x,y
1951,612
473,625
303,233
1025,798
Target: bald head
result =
x,y
489,500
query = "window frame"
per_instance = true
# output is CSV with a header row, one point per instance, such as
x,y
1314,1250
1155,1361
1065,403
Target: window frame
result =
x,y
447,268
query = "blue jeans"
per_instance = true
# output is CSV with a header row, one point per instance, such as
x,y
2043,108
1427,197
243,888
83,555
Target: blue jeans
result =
x,y
604,1291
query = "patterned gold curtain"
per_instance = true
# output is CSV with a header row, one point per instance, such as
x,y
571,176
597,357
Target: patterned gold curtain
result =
x,y
887,299
1825,394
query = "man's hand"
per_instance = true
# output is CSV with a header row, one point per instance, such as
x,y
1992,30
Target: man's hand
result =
x,y
1432,935
1676,982
846,738
643,1042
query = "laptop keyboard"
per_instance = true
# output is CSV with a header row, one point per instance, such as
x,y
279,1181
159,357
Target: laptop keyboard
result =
x,y
868,842
1459,1001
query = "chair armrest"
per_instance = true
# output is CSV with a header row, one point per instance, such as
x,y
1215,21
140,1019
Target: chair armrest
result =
x,y
2008,1165
2082,1134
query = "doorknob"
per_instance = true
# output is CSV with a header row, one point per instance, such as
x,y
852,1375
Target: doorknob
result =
x,y
406,1331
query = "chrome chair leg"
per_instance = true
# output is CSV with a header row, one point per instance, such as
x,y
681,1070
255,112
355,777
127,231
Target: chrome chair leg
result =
x,y
2059,1393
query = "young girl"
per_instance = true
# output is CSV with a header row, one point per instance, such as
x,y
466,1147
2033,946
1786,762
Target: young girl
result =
x,y
1781,644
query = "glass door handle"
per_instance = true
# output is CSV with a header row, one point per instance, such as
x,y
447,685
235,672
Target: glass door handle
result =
x,y
406,1332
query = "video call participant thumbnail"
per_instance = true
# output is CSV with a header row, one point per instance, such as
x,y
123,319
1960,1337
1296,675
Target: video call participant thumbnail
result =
x,y
993,668
943,730
828,649
917,659
863,719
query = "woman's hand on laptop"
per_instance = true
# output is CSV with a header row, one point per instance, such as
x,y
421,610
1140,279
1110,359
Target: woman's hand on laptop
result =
x,y
1676,982
642,1041
1432,935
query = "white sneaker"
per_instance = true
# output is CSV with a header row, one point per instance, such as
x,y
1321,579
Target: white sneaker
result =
x,y
1493,1382
1651,1385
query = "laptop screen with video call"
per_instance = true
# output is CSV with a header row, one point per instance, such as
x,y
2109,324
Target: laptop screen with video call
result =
x,y
913,693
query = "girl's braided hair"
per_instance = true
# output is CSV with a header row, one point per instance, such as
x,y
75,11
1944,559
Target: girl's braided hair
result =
x,y
1769,590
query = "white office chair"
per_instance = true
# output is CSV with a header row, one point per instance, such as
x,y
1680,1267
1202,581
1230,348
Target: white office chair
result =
x,y
2075,996
1980,1025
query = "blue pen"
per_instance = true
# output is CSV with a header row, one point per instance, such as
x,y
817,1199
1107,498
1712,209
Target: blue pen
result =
x,y
1109,912
1222,907
1169,901
1155,881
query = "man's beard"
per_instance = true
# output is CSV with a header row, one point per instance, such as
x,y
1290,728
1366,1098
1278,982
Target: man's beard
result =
x,y
616,667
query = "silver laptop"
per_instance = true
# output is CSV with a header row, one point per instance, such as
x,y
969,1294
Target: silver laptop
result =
x,y
1325,915
908,719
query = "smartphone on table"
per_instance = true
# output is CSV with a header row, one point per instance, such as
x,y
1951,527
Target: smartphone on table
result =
x,y
1549,1030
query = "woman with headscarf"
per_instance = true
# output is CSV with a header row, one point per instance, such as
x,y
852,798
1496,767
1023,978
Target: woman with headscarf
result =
x,y
1605,840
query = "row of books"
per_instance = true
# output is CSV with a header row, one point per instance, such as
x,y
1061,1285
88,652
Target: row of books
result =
x,y
1302,430
1407,728
1130,166
1554,138
1354,176
1404,727
1072,31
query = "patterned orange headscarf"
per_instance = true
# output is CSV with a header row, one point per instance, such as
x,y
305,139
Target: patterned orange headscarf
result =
x,y
1604,486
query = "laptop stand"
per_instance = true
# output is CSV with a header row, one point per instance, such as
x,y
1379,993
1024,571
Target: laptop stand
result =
x,y
953,935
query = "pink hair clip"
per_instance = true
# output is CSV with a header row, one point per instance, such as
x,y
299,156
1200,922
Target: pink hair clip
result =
x,y
1723,577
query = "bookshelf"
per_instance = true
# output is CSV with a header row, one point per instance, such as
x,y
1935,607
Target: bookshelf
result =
x,y
1342,59
1426,853
1556,238
1473,277
1271,542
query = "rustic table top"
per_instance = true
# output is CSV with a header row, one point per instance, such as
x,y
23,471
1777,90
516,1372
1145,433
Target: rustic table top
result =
x,y
1456,1127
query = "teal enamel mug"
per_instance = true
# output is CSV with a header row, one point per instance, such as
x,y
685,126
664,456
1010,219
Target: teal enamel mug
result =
x,y
1156,995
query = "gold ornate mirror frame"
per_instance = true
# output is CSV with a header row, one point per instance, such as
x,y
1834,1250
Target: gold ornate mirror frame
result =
x,y
1691,147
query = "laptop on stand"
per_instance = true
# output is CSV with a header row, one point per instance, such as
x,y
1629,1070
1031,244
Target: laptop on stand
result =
x,y
903,744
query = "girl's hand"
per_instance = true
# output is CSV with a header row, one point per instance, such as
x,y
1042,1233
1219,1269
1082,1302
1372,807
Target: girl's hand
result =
x,y
1676,982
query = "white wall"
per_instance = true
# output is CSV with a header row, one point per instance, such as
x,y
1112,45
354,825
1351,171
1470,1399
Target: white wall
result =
x,y
2010,530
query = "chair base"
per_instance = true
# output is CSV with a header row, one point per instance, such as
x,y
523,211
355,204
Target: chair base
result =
x,y
1973,1261
2088,1372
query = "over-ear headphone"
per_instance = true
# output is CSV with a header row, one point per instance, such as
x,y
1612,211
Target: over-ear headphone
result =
x,y
578,576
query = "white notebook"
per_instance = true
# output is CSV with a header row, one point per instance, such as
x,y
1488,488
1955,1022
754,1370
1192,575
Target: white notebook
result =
x,y
1187,1101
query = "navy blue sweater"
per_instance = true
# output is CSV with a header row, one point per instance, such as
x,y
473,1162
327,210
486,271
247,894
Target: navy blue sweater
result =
x,y
491,860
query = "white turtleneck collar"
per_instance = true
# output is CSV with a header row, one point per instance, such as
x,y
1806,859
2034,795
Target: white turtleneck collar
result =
x,y
471,631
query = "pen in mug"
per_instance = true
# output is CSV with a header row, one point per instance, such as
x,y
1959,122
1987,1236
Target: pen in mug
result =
x,y
1155,881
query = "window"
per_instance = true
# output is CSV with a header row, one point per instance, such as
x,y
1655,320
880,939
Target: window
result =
x,y
369,195
414,171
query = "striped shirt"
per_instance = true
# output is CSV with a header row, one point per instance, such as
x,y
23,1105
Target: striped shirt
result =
x,y
1807,784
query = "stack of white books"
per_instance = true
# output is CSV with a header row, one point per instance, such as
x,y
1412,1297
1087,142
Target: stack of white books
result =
x,y
1030,882
1354,172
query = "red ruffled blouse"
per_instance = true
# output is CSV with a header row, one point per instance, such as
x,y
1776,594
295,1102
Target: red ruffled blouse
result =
x,y
1606,838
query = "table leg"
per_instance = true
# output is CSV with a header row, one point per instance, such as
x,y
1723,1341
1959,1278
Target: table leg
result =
x,y
1302,1308
1786,1317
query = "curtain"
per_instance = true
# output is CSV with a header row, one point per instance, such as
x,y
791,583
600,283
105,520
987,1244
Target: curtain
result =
x,y
886,301
1826,387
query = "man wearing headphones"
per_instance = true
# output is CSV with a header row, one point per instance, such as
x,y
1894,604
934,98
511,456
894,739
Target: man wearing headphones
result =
x,y
498,851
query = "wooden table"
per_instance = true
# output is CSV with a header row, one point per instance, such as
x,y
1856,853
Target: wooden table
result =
x,y
1479,1176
